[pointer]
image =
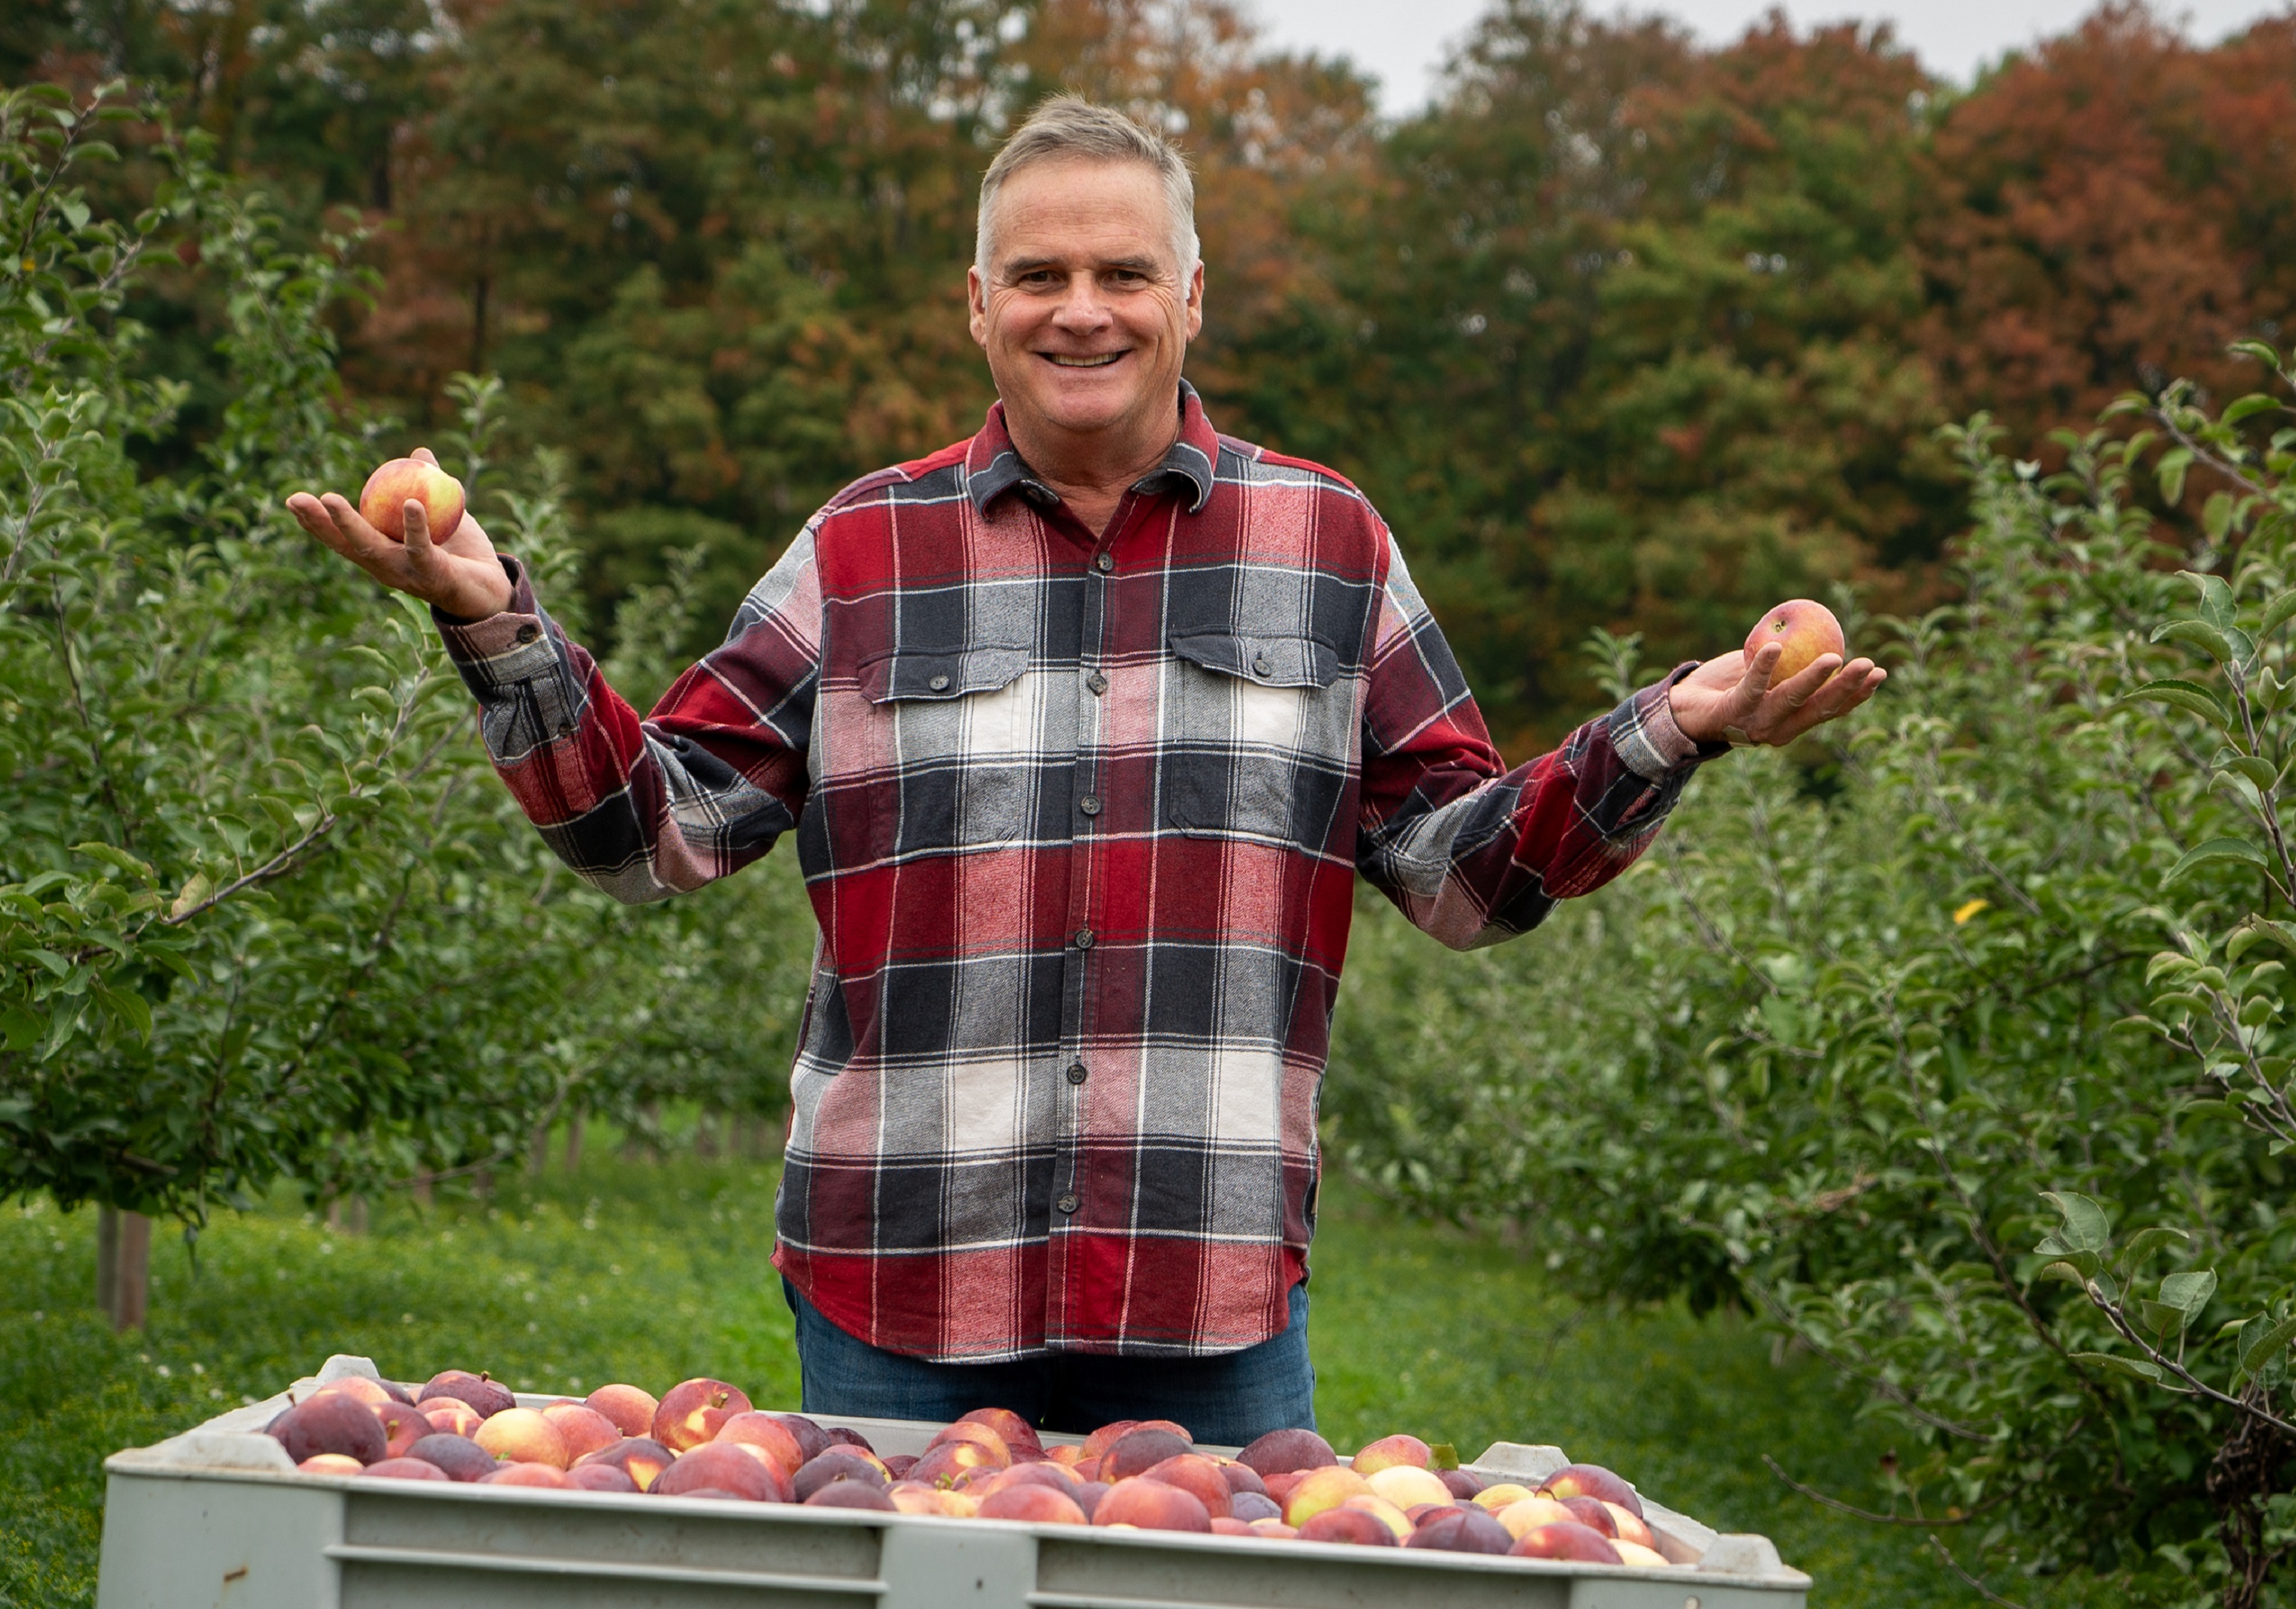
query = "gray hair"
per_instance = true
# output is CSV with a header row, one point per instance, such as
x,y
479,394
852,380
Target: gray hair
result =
x,y
1070,125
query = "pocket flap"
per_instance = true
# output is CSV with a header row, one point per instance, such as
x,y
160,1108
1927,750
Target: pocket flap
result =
x,y
919,673
1272,661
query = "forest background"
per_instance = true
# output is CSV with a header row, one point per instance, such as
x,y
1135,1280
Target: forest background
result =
x,y
1622,331
1954,1049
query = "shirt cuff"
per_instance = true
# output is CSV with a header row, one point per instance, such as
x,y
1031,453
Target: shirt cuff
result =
x,y
1643,730
493,653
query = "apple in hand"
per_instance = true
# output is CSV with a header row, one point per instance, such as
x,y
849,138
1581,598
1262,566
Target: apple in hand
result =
x,y
1805,628
404,480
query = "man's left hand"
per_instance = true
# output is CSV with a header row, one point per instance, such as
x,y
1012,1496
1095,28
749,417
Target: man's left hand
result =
x,y
1730,699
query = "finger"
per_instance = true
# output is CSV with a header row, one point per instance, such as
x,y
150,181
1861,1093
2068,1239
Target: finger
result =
x,y
422,554
1858,682
1797,689
365,542
312,515
425,455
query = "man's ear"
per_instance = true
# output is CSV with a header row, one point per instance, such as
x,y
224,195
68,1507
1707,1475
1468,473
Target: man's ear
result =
x,y
1196,301
976,303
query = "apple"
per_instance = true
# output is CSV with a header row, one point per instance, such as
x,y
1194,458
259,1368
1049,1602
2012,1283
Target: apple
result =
x,y
980,1435
366,1391
1249,1506
836,1465
1149,1505
1035,1505
1067,1456
599,1477
331,1423
949,1463
852,1494
1403,1484
1351,1525
402,1426
1275,1529
631,1409
1461,1482
1087,1496
487,1397
1281,1451
1639,1557
1103,1439
523,1436
1630,1527
525,1474
694,1411
1140,1450
1194,1473
1592,1481
640,1457
844,1437
1016,1432
1391,1452
451,1415
898,1464
460,1457
1050,1476
765,1434
404,1469
403,480
330,1463
1386,1512
1321,1489
1494,1498
1591,1515
1224,1526
1565,1541
812,1440
1242,1477
1808,629
584,1429
727,1468
912,1496
1468,1530
1529,1513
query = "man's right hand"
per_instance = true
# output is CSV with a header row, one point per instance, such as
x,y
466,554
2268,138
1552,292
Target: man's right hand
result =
x,y
460,576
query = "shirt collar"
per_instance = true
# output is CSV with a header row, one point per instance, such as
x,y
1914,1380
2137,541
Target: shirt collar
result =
x,y
993,465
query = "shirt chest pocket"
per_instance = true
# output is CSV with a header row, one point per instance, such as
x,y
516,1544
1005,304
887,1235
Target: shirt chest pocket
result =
x,y
1257,740
955,731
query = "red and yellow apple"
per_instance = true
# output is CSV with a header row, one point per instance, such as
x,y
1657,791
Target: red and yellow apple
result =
x,y
403,480
1806,629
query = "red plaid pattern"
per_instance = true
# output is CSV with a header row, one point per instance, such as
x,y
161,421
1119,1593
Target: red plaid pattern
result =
x,y
1080,817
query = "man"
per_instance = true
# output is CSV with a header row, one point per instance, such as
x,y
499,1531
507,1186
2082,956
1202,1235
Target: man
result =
x,y
1086,727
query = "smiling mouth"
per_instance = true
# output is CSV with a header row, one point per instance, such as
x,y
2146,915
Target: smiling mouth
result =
x,y
1068,362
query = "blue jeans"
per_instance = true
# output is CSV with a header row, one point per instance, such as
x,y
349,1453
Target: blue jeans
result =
x,y
1225,1401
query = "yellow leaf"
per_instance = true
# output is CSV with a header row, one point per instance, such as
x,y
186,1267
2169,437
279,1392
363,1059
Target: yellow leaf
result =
x,y
1971,909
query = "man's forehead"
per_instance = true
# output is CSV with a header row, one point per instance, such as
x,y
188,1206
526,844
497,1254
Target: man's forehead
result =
x,y
1074,211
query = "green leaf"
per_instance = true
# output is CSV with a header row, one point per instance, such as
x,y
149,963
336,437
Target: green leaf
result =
x,y
2188,1292
2174,463
2258,1348
2277,613
2159,1316
2219,644
21,1027
2069,1273
2214,850
1442,1455
128,1007
2248,407
2145,1242
2138,1367
118,858
2217,605
2248,933
2188,697
2085,1227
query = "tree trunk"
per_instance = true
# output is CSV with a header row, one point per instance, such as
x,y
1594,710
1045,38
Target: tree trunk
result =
x,y
482,1184
574,1142
133,1298
539,1150
422,1188
705,1136
107,1259
354,1216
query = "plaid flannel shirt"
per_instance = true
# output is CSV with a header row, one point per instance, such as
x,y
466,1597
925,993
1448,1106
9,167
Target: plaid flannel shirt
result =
x,y
1080,819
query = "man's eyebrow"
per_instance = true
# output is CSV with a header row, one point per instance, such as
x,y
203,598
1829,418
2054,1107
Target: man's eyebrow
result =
x,y
1016,266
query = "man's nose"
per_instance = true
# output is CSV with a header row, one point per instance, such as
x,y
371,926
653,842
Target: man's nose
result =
x,y
1082,306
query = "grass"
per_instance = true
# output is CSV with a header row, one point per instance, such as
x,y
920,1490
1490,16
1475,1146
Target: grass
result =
x,y
654,1273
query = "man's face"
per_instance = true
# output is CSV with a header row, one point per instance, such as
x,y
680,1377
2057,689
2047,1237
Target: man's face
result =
x,y
1086,315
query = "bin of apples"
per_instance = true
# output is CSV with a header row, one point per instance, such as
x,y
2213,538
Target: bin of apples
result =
x,y
702,1438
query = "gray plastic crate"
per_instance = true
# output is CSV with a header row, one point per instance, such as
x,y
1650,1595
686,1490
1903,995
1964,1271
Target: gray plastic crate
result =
x,y
218,1518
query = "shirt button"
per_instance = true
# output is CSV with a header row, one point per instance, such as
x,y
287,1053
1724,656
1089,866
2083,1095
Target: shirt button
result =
x,y
527,633
939,683
1105,563
1089,804
1076,1074
1069,1202
1098,683
1260,665
1084,938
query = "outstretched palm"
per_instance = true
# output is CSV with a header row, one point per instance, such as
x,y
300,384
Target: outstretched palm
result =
x,y
1728,698
460,575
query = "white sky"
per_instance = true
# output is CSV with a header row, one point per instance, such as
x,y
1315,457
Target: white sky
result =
x,y
1403,41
